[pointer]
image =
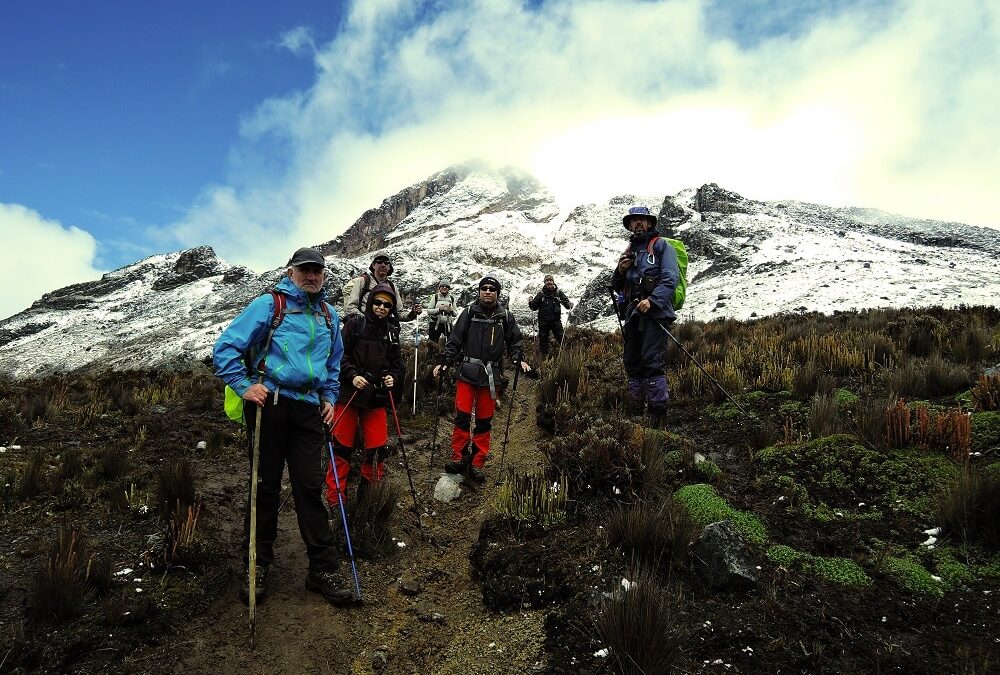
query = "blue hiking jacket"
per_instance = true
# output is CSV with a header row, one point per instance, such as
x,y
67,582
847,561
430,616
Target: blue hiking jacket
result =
x,y
303,361
661,265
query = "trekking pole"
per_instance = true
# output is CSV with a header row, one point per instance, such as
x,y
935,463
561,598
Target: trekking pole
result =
x,y
416,356
506,429
437,420
252,553
702,368
343,511
406,465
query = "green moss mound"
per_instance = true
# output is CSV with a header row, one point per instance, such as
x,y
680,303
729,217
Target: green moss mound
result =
x,y
833,569
706,506
840,473
914,577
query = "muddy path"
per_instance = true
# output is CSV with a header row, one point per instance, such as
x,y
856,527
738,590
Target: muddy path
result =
x,y
442,628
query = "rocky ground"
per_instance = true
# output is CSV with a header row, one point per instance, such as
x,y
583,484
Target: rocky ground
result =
x,y
474,592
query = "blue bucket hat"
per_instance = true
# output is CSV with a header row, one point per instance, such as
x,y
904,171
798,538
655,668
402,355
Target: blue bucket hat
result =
x,y
638,211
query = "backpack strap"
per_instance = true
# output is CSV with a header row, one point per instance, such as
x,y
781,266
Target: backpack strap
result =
x,y
276,318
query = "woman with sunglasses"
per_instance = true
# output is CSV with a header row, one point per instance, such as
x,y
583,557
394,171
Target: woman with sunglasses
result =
x,y
483,332
371,366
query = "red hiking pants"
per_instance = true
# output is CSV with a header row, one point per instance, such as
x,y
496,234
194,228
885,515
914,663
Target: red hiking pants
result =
x,y
373,431
465,396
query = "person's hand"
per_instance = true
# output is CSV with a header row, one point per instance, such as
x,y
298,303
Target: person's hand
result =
x,y
326,412
417,308
525,367
257,393
359,382
388,380
624,262
439,369
644,305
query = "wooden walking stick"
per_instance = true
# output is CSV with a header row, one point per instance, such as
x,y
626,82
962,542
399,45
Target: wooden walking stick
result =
x,y
252,557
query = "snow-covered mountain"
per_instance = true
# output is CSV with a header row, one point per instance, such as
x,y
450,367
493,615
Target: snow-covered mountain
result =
x,y
747,258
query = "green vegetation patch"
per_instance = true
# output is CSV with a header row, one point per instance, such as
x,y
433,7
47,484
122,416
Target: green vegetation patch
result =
x,y
985,430
845,397
708,471
913,576
727,410
706,506
842,473
835,570
953,572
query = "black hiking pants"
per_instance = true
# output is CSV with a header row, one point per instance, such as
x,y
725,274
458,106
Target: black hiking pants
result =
x,y
546,327
645,347
291,432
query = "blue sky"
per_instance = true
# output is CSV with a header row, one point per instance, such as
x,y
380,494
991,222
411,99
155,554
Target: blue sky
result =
x,y
131,128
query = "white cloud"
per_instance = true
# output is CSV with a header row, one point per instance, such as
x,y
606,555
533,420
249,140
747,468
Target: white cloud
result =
x,y
892,107
37,255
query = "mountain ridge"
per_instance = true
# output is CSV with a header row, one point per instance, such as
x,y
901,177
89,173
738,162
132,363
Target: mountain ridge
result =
x,y
747,258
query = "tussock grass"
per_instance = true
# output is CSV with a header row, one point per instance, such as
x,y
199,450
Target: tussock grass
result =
x,y
970,511
655,533
368,516
640,628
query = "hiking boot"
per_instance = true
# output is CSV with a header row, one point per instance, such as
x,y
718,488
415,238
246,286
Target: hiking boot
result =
x,y
455,467
325,583
260,588
478,474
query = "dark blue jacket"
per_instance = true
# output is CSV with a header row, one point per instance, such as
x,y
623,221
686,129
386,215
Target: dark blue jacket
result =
x,y
660,265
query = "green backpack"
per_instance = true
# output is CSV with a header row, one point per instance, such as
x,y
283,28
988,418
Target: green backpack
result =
x,y
682,264
233,403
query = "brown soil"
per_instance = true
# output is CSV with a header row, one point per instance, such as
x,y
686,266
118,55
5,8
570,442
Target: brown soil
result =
x,y
445,628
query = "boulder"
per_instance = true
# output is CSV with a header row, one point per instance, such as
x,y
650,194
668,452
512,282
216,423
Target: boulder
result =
x,y
721,558
447,488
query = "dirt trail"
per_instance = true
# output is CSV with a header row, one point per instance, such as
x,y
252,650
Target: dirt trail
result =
x,y
442,629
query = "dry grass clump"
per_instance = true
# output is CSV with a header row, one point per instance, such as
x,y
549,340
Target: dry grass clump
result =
x,y
639,628
368,516
175,487
59,590
986,392
655,533
970,511
824,415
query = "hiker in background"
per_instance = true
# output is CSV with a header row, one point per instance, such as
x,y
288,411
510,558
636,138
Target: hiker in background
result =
x,y
547,303
282,355
357,290
644,282
371,367
483,332
441,311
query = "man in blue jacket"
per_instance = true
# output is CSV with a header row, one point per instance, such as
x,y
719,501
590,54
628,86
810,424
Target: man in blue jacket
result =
x,y
292,377
644,281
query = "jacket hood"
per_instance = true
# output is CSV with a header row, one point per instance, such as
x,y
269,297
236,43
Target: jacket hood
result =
x,y
379,288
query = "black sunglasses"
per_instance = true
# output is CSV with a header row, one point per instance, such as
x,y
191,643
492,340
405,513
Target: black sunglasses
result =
x,y
382,303
489,289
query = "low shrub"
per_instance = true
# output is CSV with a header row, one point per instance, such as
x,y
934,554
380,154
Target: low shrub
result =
x,y
986,392
824,415
32,481
531,498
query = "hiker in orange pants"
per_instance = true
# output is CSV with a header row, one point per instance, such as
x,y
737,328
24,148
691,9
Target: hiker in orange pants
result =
x,y
483,333
371,366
